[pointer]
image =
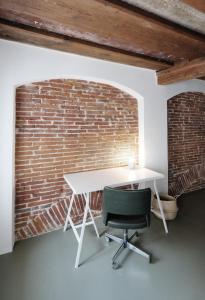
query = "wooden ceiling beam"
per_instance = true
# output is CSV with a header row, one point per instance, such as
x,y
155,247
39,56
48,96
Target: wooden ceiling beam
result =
x,y
106,23
184,71
58,42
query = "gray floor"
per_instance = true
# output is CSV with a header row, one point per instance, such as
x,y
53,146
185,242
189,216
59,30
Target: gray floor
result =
x,y
43,268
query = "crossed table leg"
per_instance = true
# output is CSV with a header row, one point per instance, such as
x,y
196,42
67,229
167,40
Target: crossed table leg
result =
x,y
80,236
142,186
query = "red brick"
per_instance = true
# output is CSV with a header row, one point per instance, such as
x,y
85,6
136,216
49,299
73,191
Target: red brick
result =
x,y
66,126
186,142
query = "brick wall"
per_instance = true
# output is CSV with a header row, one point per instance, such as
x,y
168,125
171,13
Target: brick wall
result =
x,y
186,142
65,126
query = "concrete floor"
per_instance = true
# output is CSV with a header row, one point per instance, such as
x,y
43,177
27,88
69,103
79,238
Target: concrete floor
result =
x,y
43,267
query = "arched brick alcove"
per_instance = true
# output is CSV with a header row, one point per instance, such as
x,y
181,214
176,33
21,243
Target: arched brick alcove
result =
x,y
65,126
186,142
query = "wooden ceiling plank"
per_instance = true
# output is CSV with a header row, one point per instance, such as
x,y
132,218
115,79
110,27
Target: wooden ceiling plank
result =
x,y
106,24
50,41
185,71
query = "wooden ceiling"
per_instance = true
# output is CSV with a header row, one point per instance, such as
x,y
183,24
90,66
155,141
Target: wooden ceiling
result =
x,y
118,31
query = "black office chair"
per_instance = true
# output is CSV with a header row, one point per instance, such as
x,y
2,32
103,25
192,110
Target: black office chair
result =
x,y
126,209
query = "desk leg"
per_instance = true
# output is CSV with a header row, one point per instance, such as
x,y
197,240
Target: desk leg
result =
x,y
160,207
91,215
68,214
82,230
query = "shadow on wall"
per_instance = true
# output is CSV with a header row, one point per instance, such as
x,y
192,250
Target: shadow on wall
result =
x,y
186,142
65,126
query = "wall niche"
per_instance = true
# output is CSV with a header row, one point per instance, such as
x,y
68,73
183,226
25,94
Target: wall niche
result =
x,y
65,126
186,142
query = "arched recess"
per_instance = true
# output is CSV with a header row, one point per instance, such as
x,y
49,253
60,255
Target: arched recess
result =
x,y
186,142
63,126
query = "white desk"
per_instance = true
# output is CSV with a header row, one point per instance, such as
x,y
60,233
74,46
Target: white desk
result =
x,y
86,182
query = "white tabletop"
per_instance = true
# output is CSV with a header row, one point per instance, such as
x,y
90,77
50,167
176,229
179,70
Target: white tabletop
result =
x,y
96,180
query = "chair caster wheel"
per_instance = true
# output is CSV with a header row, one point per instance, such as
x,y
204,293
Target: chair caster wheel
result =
x,y
107,239
150,259
115,266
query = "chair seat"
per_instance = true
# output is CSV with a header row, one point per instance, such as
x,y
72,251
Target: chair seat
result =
x,y
127,222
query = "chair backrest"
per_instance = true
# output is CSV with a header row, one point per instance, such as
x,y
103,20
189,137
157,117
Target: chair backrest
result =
x,y
126,202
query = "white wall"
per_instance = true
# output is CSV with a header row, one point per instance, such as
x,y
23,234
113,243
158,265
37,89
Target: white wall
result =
x,y
22,63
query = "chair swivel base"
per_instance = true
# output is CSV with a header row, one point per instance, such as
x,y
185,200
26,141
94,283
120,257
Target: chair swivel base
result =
x,y
125,243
